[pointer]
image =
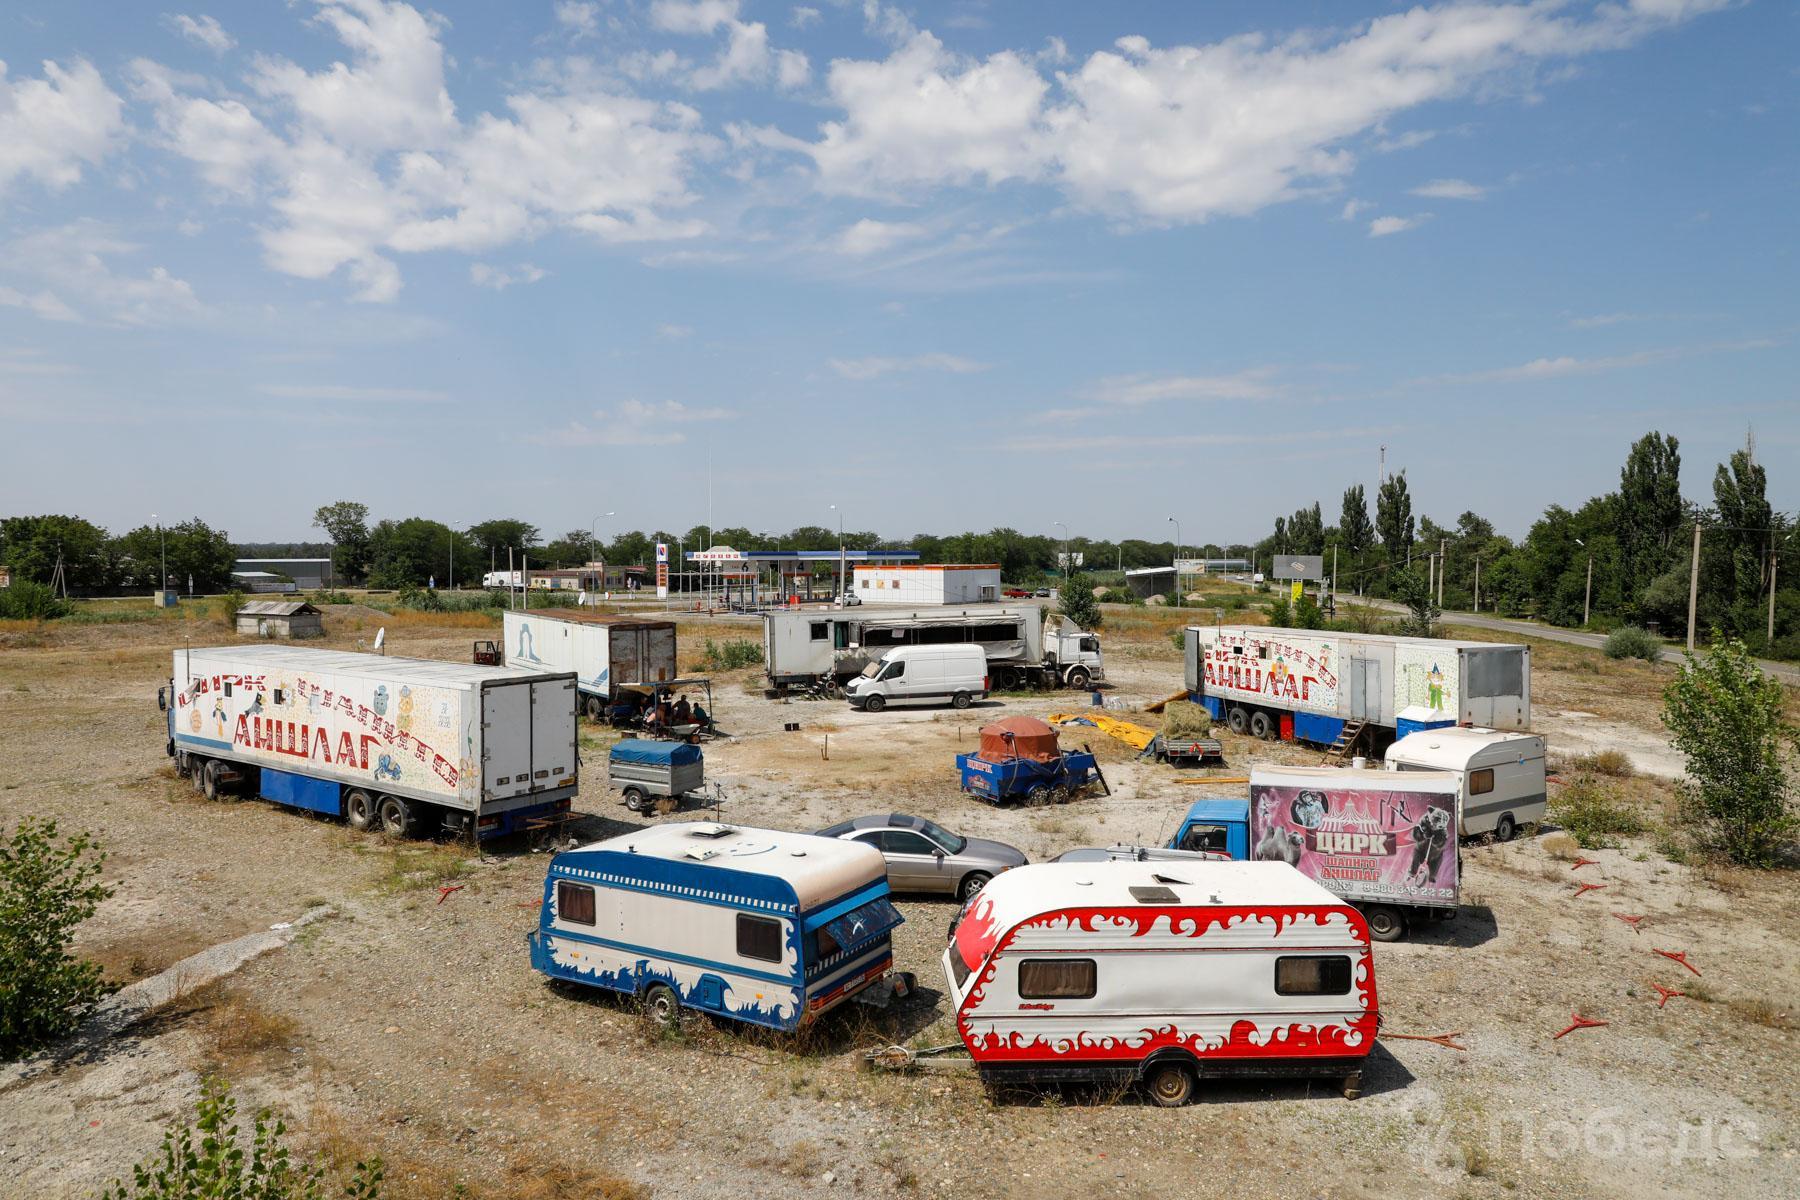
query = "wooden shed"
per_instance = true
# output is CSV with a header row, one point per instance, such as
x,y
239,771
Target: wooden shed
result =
x,y
280,619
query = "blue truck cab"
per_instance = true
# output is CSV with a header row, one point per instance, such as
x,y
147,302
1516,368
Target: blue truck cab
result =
x,y
1216,823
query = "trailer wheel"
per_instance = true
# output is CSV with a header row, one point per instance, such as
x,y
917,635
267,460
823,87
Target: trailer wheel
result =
x,y
359,811
1079,679
1505,829
971,883
1262,727
1061,794
1170,1084
396,816
197,773
961,700
595,710
1037,795
1237,719
874,704
209,780
634,799
661,1005
1385,923
1008,679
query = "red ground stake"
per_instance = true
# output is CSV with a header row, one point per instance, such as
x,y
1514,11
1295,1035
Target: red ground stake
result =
x,y
1664,995
444,892
1446,1040
1585,888
1577,1021
1630,920
1584,862
1681,958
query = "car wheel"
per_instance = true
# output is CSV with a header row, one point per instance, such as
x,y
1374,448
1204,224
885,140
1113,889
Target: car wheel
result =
x,y
1262,727
396,816
1505,829
661,1005
971,883
1237,720
359,811
1170,1084
960,700
1385,923
1079,679
874,704
634,799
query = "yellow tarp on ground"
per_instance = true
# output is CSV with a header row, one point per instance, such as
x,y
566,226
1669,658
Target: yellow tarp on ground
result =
x,y
1133,735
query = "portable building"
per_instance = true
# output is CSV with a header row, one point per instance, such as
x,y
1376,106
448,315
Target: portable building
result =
x,y
409,744
1307,684
280,619
927,583
606,652
757,925
1161,973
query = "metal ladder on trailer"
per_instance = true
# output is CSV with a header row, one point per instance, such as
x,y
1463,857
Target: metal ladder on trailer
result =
x,y
1347,738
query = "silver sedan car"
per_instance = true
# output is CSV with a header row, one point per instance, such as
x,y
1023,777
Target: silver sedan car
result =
x,y
925,857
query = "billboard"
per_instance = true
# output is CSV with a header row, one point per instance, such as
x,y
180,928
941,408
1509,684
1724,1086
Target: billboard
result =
x,y
1362,843
1299,566
662,570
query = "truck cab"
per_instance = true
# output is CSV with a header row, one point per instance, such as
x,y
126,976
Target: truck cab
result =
x,y
1220,825
1075,655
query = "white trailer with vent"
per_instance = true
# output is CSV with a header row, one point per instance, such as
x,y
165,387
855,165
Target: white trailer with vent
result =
x,y
408,745
605,652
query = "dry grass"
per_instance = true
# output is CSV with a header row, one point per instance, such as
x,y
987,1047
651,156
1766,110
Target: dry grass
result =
x,y
1561,845
1767,1013
1614,763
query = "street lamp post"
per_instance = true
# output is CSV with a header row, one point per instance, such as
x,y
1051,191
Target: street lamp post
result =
x,y
842,583
1175,562
594,533
1587,592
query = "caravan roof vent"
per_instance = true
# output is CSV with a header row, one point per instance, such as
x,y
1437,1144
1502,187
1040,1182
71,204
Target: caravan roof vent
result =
x,y
702,853
1155,895
709,830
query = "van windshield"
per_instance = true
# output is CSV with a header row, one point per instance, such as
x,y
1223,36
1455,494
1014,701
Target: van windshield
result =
x,y
872,670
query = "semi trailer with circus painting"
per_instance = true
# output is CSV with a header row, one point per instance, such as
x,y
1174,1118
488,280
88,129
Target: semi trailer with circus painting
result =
x,y
404,744
1311,685
1162,974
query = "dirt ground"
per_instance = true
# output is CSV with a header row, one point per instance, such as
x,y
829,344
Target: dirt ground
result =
x,y
413,1027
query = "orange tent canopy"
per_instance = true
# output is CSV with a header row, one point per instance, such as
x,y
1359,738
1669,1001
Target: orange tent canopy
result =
x,y
1018,737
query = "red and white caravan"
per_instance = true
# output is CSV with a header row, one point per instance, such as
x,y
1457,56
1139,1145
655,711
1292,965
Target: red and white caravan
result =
x,y
1162,973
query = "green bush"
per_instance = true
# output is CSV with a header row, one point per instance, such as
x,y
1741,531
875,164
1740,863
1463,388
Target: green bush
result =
x,y
1075,600
331,596
28,600
216,1165
730,656
1628,641
225,607
47,888
1593,815
1179,638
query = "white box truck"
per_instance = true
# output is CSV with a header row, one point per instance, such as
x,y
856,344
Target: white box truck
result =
x,y
1309,684
821,650
605,652
407,745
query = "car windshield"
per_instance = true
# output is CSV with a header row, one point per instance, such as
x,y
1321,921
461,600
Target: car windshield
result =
x,y
943,837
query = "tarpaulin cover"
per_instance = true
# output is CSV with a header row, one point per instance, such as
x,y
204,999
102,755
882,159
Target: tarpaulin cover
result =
x,y
641,750
1018,737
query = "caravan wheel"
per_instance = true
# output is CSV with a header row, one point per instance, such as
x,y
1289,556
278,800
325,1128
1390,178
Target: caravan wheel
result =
x,y
1505,829
661,1005
1170,1084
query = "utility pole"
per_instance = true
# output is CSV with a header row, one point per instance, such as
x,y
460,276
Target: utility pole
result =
x,y
512,581
1430,574
1587,593
1774,558
1694,587
1334,576
1441,544
1478,583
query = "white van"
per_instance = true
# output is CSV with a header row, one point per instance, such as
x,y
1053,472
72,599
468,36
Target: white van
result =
x,y
1502,774
957,673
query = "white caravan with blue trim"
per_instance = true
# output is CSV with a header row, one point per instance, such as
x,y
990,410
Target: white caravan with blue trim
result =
x,y
759,925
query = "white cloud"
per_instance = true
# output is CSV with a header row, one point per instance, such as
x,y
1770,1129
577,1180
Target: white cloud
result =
x,y
1450,189
359,395
483,275
674,333
1134,390
671,411
1565,366
202,31
1407,141
1354,208
874,367
51,127
803,16
632,423
1186,133
692,16
368,158
579,19
1382,227
69,275
868,237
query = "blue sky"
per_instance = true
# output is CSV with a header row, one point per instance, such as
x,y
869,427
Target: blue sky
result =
x,y
946,266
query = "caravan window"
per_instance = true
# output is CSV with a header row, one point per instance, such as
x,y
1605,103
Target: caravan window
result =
x,y
574,903
1312,975
1057,979
758,937
1481,782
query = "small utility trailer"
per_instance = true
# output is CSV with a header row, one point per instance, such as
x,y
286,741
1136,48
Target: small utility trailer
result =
x,y
1187,751
1019,759
655,776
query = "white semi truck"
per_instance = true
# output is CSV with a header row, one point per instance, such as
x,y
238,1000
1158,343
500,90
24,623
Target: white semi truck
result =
x,y
1309,684
606,652
406,745
821,649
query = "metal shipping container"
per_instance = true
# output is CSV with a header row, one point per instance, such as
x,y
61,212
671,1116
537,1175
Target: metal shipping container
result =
x,y
606,652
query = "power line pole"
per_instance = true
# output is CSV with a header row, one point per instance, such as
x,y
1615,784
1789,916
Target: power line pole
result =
x,y
1478,583
1587,593
1693,587
1441,564
1773,560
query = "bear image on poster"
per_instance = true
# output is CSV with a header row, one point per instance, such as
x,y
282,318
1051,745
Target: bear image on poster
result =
x,y
1431,837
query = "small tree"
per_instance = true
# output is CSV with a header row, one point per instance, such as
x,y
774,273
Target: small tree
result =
x,y
1724,715
1077,602
1422,610
217,1166
47,888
